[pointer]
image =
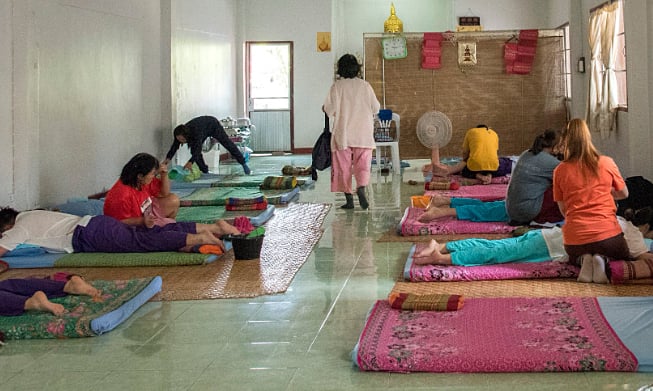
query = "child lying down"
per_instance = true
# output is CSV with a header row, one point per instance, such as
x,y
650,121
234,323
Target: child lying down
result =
x,y
18,295
61,232
533,246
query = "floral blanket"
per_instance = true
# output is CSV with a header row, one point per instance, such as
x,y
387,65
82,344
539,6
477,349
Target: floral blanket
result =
x,y
565,334
410,226
504,271
80,311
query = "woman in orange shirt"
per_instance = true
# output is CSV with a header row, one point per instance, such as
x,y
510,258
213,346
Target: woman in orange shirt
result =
x,y
585,186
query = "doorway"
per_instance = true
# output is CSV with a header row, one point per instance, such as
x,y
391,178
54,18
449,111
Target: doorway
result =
x,y
269,95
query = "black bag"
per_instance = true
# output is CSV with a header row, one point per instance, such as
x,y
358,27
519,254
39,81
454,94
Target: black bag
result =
x,y
322,150
640,195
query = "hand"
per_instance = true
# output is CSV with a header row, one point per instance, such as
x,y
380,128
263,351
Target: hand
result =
x,y
165,162
188,166
163,168
148,220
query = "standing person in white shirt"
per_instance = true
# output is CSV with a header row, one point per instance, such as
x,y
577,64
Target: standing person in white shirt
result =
x,y
351,104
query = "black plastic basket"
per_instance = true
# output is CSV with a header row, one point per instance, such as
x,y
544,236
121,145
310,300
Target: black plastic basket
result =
x,y
246,248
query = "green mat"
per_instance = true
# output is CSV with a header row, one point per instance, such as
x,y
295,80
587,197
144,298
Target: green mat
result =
x,y
209,214
132,259
213,196
80,311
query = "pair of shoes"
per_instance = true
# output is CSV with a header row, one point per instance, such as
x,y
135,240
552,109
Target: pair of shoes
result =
x,y
246,169
586,273
598,265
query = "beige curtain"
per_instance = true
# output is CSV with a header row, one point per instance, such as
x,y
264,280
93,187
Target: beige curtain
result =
x,y
603,97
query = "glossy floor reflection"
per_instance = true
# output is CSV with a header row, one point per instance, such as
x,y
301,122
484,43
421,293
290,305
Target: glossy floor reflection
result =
x,y
299,340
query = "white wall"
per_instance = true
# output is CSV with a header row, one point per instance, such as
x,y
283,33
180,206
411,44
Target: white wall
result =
x,y
297,21
505,14
355,17
6,105
86,91
203,64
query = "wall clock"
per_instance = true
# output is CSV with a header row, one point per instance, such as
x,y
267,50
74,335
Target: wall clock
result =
x,y
394,47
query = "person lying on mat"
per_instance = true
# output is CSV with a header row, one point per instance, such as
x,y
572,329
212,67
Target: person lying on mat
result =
x,y
142,196
471,209
18,295
62,232
194,133
533,246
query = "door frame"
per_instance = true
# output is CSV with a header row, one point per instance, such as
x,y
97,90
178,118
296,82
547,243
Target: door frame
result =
x,y
291,87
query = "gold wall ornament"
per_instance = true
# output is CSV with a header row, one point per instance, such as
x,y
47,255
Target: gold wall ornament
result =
x,y
466,53
393,24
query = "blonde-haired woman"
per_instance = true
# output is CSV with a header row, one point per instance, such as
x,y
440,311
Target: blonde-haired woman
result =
x,y
585,186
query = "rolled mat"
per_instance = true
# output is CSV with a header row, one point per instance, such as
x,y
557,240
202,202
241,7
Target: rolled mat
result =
x,y
631,272
436,302
279,182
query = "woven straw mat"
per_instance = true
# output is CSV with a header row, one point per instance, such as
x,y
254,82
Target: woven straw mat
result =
x,y
289,240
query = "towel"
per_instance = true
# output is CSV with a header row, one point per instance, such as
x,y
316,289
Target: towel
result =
x,y
434,302
208,249
243,225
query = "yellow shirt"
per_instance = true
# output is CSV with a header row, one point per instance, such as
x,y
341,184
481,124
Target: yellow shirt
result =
x,y
482,144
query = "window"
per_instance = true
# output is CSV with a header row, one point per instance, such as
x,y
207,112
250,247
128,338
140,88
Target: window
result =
x,y
620,60
610,19
566,58
607,67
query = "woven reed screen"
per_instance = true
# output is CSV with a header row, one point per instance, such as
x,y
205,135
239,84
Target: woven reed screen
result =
x,y
517,107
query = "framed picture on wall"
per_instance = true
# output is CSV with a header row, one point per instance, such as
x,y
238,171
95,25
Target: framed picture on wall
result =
x,y
466,53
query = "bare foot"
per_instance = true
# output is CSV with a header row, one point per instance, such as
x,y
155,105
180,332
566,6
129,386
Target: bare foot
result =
x,y
78,286
438,201
226,229
435,213
432,254
39,302
485,179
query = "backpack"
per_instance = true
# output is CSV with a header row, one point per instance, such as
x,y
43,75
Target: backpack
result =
x,y
322,150
640,195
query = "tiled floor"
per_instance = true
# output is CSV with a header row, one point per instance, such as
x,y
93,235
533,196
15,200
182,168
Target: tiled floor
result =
x,y
300,340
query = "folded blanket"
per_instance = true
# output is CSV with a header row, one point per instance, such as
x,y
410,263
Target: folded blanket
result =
x,y
279,182
257,206
631,272
434,302
410,226
235,201
492,192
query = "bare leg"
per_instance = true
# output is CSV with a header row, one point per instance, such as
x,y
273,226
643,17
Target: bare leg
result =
x,y
169,205
39,302
438,168
199,239
77,286
437,213
220,228
438,201
435,253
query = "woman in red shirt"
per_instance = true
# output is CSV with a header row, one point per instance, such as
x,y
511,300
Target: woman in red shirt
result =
x,y
585,186
139,197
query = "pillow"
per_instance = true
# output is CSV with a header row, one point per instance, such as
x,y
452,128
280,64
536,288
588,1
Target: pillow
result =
x,y
82,207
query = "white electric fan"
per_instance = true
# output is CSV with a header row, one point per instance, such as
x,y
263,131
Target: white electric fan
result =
x,y
434,132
